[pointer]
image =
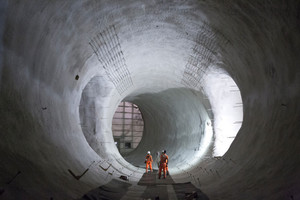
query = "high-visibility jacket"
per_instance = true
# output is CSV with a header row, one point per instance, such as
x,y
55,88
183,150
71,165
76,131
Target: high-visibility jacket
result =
x,y
149,158
164,158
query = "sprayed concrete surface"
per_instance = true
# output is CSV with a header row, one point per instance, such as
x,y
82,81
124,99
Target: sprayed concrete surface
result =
x,y
203,73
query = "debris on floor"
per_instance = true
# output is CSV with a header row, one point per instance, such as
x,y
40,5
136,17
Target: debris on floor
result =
x,y
125,178
191,196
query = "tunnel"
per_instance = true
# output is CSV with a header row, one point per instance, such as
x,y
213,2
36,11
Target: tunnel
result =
x,y
217,83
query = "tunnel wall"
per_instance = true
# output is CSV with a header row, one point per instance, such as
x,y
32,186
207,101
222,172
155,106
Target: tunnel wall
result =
x,y
261,58
45,45
175,121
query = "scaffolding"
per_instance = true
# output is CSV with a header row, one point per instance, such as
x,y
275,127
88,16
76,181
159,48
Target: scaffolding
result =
x,y
127,127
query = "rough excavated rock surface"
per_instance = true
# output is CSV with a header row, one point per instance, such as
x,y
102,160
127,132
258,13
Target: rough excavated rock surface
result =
x,y
65,66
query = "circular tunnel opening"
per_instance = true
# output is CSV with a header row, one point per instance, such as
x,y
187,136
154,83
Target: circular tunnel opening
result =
x,y
127,127
191,124
44,45
176,120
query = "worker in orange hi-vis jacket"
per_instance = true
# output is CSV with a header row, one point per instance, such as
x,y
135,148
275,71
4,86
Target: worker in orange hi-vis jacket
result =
x,y
163,163
148,161
167,168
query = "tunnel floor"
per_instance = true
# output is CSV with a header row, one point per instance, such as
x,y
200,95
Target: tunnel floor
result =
x,y
148,187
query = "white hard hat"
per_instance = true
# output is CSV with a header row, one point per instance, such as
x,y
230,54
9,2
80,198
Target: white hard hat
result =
x,y
148,152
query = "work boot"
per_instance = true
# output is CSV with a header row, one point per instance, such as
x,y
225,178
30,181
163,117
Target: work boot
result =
x,y
167,173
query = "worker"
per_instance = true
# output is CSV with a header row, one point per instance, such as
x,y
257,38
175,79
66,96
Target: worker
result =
x,y
163,164
157,159
167,168
148,161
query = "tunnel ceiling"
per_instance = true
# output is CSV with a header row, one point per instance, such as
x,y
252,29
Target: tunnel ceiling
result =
x,y
203,73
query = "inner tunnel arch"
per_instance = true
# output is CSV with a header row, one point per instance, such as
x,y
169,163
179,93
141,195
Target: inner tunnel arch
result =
x,y
51,50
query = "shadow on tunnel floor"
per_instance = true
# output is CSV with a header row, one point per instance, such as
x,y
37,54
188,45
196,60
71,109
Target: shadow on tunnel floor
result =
x,y
115,189
149,187
151,178
188,191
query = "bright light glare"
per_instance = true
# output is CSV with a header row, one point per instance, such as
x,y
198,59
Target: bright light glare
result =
x,y
227,107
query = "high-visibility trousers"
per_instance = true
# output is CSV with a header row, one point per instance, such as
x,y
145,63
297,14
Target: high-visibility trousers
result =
x,y
167,169
163,166
148,164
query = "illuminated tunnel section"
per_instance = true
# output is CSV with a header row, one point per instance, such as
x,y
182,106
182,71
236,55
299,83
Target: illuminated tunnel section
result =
x,y
217,83
175,120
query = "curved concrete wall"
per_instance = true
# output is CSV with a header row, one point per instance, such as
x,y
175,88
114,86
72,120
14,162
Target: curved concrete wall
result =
x,y
175,120
66,65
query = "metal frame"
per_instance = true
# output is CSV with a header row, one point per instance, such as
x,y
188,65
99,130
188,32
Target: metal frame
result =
x,y
132,119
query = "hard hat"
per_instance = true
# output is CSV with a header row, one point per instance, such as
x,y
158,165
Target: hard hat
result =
x,y
148,152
